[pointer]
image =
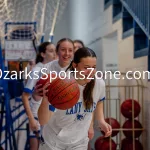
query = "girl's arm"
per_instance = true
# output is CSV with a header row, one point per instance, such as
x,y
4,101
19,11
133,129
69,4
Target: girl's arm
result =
x,y
44,114
32,121
91,129
104,126
99,112
31,82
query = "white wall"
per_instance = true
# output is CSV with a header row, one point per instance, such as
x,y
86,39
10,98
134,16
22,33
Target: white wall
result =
x,y
89,21
110,52
110,63
97,47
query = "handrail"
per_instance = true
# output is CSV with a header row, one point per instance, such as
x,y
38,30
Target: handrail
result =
x,y
139,10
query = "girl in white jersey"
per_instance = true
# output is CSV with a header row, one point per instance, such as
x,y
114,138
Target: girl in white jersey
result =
x,y
68,129
64,51
45,55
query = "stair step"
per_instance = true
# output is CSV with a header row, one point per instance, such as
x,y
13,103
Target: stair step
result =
x,y
141,53
128,33
108,3
116,18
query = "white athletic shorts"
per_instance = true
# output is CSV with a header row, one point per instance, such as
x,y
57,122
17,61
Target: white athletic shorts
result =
x,y
56,144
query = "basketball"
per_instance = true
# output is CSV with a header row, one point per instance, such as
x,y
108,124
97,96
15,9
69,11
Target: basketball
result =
x,y
129,125
105,144
44,79
127,144
114,124
127,106
63,93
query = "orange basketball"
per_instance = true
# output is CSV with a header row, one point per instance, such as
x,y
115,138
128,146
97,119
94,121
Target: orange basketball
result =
x,y
63,93
44,79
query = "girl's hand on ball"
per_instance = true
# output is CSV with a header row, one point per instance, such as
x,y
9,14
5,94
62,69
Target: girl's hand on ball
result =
x,y
104,126
45,90
38,90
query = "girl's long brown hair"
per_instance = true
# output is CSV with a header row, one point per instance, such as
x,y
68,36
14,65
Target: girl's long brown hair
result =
x,y
88,90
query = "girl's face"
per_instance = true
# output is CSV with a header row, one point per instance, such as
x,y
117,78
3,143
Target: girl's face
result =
x,y
77,45
86,69
65,52
50,53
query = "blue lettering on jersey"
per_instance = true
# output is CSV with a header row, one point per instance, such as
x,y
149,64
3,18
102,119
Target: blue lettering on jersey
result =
x,y
77,109
80,117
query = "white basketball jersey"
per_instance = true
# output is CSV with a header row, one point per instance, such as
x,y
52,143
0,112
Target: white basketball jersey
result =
x,y
72,125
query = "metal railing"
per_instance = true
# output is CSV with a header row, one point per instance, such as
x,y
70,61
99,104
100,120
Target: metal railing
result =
x,y
140,11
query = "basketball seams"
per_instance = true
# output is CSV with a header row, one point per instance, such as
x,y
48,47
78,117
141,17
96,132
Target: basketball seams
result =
x,y
68,100
56,80
62,90
69,91
54,84
56,87
63,94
